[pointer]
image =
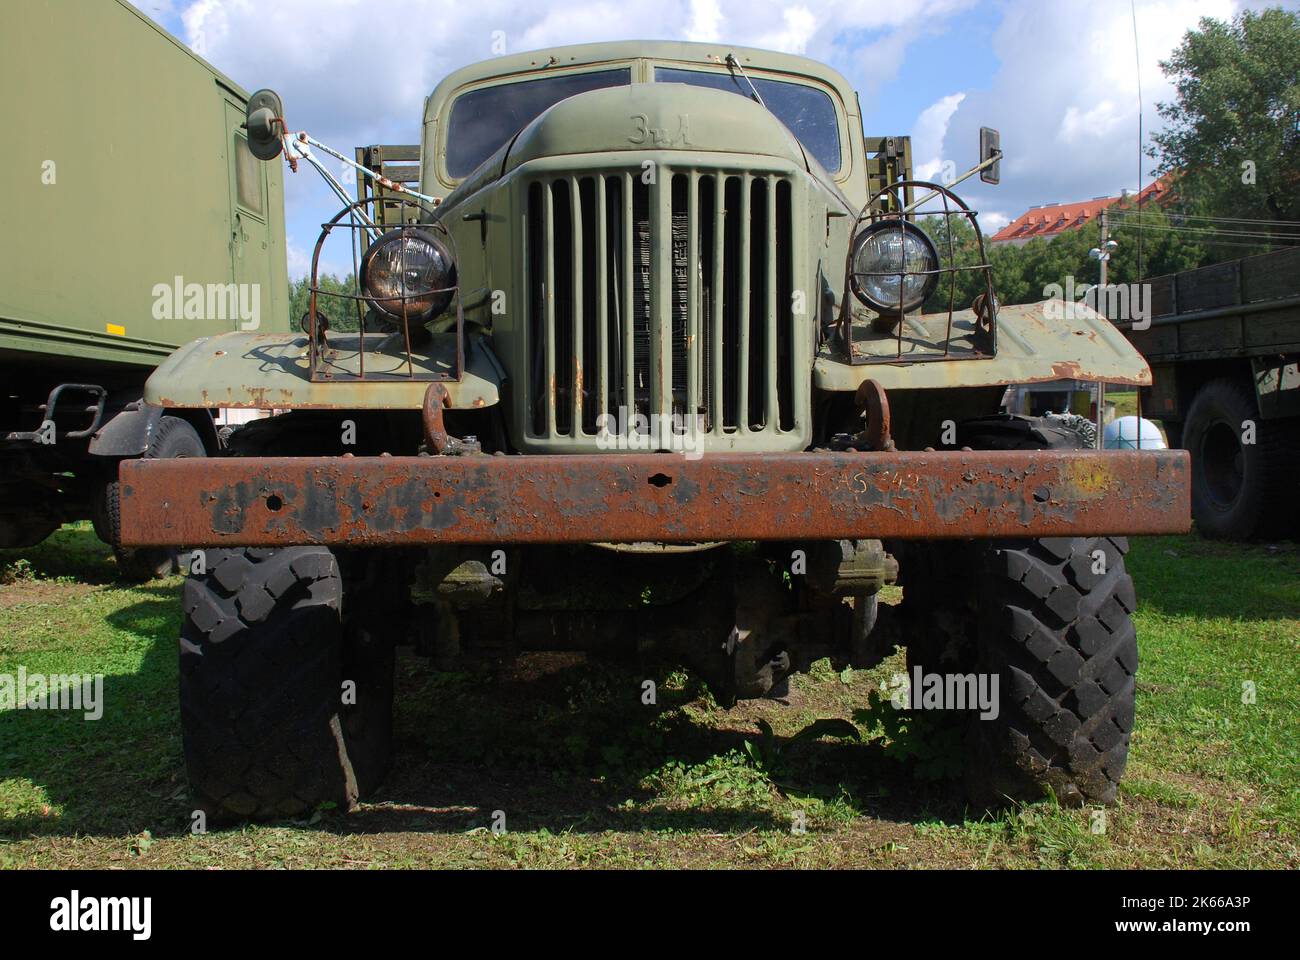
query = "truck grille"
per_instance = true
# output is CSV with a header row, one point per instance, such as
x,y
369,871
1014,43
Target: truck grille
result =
x,y
621,323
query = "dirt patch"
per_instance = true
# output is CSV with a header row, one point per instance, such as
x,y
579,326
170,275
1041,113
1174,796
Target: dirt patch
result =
x,y
33,593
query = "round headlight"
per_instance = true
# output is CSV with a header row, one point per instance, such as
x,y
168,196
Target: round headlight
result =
x,y
408,273
894,266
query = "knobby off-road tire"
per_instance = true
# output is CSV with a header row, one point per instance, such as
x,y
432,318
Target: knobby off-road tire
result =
x,y
173,438
1241,490
265,652
1052,620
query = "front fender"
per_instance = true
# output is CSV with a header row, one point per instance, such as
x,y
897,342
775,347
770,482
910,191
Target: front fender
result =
x,y
267,371
1037,342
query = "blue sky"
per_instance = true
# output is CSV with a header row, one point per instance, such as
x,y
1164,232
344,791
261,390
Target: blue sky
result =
x,y
1059,78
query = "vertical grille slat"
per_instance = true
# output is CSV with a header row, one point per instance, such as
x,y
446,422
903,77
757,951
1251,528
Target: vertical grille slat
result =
x,y
693,347
602,302
674,297
743,317
573,360
718,292
628,398
549,294
774,312
535,279
567,292
758,320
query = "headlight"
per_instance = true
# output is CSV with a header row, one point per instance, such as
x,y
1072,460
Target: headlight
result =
x,y
411,268
882,254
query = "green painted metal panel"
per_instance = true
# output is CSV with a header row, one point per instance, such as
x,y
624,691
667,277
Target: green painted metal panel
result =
x,y
119,175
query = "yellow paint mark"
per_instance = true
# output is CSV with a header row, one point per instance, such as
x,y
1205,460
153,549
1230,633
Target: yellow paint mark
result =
x,y
1091,479
115,329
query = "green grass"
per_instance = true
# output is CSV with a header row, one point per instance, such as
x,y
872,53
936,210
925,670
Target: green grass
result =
x,y
1125,402
588,776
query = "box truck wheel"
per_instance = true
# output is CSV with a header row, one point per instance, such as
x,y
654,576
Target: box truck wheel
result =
x,y
1244,469
173,437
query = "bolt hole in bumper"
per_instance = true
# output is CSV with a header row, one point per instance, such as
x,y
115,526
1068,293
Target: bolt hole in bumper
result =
x,y
406,501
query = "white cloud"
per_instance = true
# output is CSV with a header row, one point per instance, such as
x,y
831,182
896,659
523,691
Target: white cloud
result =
x,y
928,133
991,221
706,18
799,26
1065,96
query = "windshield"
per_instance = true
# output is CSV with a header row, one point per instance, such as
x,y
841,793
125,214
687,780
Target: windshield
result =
x,y
482,120
806,111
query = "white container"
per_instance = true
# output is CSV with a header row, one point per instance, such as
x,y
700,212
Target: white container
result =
x,y
1124,434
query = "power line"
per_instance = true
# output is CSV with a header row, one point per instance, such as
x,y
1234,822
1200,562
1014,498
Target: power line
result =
x,y
1208,231
1194,216
1207,224
1212,242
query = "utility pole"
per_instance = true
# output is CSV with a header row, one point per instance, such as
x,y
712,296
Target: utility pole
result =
x,y
1101,254
1105,254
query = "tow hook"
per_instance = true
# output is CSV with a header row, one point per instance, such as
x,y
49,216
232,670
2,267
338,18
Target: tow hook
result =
x,y
436,438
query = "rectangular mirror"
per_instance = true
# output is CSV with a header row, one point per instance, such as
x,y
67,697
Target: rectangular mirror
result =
x,y
990,146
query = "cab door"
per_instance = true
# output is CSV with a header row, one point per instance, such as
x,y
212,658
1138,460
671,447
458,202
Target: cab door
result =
x,y
250,231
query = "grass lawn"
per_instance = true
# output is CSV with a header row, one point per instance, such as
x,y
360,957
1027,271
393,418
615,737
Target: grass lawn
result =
x,y
585,775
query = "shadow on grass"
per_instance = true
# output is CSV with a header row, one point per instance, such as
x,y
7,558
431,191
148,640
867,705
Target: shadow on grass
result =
x,y
71,552
117,774
557,742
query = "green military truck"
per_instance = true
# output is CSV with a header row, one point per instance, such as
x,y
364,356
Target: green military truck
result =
x,y
640,368
1224,347
135,220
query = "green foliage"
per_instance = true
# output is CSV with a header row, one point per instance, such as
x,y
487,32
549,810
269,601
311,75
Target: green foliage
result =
x,y
342,313
1021,274
1237,102
929,744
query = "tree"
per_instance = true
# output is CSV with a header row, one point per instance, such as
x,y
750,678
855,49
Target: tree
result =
x,y
1232,136
341,311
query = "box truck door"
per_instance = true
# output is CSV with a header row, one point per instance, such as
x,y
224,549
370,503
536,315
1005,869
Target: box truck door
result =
x,y
250,236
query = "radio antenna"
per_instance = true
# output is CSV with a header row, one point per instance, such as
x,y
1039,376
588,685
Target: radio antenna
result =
x,y
1137,58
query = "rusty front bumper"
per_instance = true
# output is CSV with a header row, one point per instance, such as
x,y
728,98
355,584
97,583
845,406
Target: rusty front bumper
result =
x,y
378,501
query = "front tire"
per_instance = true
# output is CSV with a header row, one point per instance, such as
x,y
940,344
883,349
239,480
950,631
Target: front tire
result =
x,y
267,727
1051,621
1059,636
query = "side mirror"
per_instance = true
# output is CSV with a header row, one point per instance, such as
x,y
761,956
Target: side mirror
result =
x,y
990,147
264,121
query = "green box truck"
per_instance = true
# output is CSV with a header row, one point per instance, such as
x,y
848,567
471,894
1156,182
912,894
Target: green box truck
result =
x,y
135,220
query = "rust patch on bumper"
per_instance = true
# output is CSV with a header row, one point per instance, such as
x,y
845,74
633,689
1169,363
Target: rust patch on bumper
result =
x,y
377,501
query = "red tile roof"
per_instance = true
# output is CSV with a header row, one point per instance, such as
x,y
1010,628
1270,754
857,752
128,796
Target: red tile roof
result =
x,y
1050,219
